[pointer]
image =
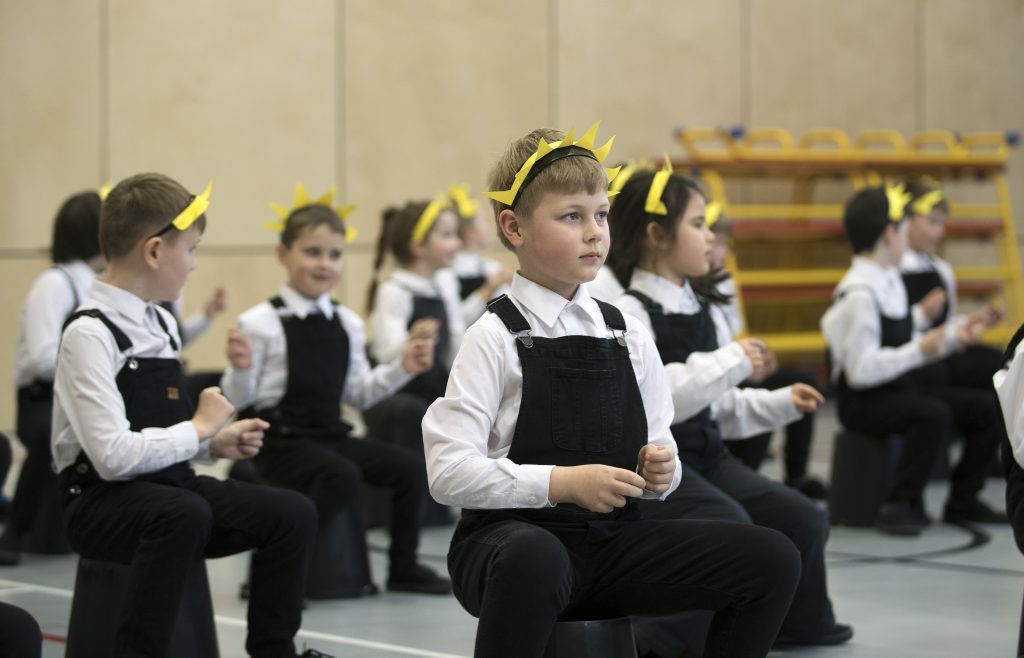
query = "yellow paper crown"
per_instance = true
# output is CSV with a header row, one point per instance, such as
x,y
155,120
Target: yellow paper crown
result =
x,y
626,172
303,199
104,190
463,203
712,213
428,217
898,200
924,204
193,210
654,204
586,142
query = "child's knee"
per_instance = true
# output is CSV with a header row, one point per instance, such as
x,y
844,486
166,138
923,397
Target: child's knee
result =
x,y
183,518
536,560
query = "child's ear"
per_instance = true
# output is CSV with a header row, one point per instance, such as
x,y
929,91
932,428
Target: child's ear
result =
x,y
655,236
151,252
281,252
511,227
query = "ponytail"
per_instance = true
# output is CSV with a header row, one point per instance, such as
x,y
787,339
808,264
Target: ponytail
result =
x,y
378,262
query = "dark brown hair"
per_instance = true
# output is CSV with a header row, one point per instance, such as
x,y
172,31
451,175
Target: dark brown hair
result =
x,y
139,207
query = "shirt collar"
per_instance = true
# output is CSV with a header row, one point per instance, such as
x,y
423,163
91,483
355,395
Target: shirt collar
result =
x,y
548,305
301,306
669,294
916,261
120,300
415,283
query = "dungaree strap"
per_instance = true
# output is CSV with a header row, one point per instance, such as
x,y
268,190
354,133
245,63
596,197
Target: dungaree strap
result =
x,y
1011,347
508,313
122,340
163,325
277,302
612,316
650,305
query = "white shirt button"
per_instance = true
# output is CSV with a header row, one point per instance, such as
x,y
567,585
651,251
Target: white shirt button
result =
x,y
532,500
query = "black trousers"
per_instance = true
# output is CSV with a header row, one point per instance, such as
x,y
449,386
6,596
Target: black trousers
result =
x,y
927,418
35,409
1014,494
330,471
161,529
730,491
751,451
519,579
20,636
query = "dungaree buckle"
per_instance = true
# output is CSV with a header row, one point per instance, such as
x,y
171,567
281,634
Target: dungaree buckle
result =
x,y
620,338
525,338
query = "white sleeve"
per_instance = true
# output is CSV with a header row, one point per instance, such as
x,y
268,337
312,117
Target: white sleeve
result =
x,y
457,428
1009,385
652,383
745,412
389,322
194,326
363,386
704,377
241,386
86,390
49,302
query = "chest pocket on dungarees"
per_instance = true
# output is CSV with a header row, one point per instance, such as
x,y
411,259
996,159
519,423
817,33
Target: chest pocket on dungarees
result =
x,y
584,402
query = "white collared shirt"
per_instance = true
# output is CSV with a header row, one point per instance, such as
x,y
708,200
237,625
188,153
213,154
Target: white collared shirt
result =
x,y
1009,385
467,434
914,262
393,306
89,412
49,302
263,385
853,329
711,378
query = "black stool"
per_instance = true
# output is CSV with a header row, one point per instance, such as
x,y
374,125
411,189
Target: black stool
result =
x,y
340,567
601,638
862,470
96,606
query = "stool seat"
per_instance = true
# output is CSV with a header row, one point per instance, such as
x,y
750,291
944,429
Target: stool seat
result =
x,y
599,638
99,595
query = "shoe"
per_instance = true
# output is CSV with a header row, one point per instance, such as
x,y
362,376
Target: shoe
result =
x,y
10,548
419,579
973,511
898,518
313,653
838,634
808,486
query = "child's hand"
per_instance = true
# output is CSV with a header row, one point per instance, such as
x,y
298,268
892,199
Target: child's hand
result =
x,y
933,303
216,304
214,410
970,330
595,487
806,398
986,317
239,349
657,466
754,349
241,439
419,355
933,342
425,328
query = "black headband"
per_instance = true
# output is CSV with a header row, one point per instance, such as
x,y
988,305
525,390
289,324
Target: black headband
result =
x,y
548,160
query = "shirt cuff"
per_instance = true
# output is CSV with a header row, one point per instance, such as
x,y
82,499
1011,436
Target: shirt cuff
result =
x,y
186,442
738,365
533,483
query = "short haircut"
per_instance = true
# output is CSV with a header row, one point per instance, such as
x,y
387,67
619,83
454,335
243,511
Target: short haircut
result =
x,y
310,217
76,229
865,218
566,176
138,208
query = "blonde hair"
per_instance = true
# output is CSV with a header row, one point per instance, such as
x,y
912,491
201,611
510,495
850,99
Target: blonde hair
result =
x,y
566,176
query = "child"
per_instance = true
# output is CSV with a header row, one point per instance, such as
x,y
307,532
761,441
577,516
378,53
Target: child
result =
x,y
1009,384
295,359
799,434
480,279
660,253
554,420
932,292
56,292
123,435
874,352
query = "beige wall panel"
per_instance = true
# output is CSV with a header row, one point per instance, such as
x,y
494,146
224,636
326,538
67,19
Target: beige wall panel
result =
x,y
433,93
972,73
49,118
645,68
240,93
847,65
17,275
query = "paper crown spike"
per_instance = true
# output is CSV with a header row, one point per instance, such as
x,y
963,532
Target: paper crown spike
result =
x,y
302,197
587,141
898,200
104,190
654,204
927,202
602,153
327,198
194,209
280,210
712,213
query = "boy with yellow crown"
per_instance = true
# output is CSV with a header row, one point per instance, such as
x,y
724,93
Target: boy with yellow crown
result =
x,y
296,358
556,418
124,432
877,361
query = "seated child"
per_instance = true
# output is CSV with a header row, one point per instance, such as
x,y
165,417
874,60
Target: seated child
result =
x,y
874,353
799,433
295,359
480,278
124,434
660,244
54,296
555,421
